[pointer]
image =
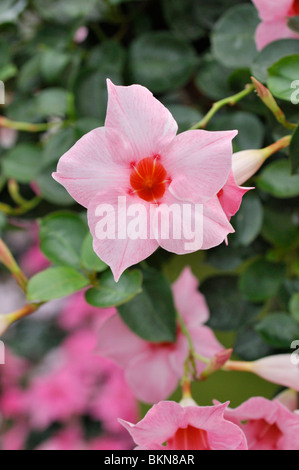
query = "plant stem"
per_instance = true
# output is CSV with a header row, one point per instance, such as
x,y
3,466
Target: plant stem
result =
x,y
231,100
8,260
26,126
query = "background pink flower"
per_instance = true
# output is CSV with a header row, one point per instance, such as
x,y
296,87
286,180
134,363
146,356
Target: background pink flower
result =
x,y
186,428
154,369
268,425
274,15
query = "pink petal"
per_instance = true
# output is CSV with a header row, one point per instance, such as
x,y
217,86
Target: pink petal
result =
x,y
230,196
190,303
253,409
116,341
121,251
142,119
203,232
278,369
273,9
99,160
154,375
205,344
271,31
199,163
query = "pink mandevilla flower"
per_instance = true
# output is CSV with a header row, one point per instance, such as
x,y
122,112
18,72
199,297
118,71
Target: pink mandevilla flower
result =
x,y
154,369
138,156
186,428
274,15
268,425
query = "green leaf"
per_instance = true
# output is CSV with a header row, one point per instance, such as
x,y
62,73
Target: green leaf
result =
x,y
251,130
52,191
151,314
283,78
270,54
161,61
185,116
280,226
276,179
22,163
248,220
65,12
294,307
53,64
294,151
293,23
52,101
110,293
184,18
58,144
228,307
278,329
212,79
54,283
261,280
10,10
233,41
89,258
61,237
249,345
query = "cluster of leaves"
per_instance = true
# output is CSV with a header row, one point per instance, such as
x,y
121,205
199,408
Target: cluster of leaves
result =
x,y
189,53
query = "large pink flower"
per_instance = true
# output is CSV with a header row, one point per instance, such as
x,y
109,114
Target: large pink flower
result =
x,y
268,425
186,428
274,15
138,157
154,369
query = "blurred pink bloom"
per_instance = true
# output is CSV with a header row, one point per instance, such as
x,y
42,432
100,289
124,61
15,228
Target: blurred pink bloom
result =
x,y
109,443
77,312
274,15
12,402
8,137
116,400
34,261
81,34
55,397
13,371
138,155
154,369
186,428
268,425
69,438
15,437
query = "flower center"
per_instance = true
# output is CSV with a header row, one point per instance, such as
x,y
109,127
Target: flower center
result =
x,y
189,438
295,8
148,179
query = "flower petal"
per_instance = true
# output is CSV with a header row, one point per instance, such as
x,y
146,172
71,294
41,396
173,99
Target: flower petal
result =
x,y
190,303
99,160
270,31
141,118
231,195
118,248
116,341
199,162
271,10
192,227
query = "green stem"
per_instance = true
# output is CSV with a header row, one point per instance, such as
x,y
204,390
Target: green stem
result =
x,y
231,100
8,260
22,209
26,126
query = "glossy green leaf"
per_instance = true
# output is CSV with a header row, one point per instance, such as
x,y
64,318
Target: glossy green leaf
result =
x,y
151,314
110,293
261,280
54,283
